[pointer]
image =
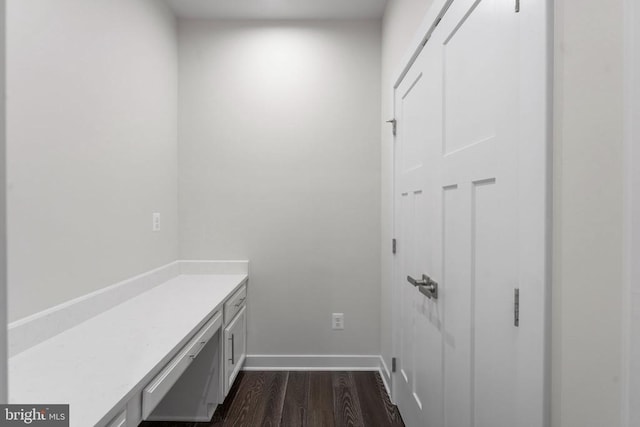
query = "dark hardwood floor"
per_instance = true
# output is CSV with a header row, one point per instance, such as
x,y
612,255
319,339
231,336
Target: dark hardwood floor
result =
x,y
310,399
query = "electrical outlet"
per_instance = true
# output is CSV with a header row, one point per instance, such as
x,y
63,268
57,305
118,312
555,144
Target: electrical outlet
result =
x,y
156,222
337,321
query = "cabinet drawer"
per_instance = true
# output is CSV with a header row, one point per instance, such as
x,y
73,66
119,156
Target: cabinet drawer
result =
x,y
160,385
119,421
234,304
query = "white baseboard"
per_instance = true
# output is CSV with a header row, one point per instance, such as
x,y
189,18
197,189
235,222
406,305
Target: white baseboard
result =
x,y
29,331
304,362
180,419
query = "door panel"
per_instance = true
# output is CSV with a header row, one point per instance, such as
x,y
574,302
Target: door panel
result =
x,y
457,300
428,321
494,279
470,78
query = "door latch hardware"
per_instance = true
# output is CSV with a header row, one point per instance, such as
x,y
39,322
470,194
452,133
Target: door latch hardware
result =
x,y
394,246
393,364
393,124
517,6
426,286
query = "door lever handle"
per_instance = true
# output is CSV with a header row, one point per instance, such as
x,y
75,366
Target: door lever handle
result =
x,y
426,286
419,282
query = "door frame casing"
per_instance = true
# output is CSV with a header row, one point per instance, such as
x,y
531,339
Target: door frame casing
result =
x,y
541,122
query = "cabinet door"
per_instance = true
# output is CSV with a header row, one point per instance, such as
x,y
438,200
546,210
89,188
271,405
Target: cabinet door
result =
x,y
235,335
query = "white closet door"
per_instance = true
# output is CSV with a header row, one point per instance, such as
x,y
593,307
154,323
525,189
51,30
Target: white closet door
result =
x,y
464,217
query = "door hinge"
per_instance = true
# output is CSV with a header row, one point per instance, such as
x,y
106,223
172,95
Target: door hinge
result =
x,y
516,307
517,6
394,246
394,124
393,364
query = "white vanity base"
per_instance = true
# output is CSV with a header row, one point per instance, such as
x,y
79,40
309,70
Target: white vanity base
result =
x,y
102,365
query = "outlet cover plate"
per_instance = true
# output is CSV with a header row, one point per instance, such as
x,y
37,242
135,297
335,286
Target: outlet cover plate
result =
x,y
337,321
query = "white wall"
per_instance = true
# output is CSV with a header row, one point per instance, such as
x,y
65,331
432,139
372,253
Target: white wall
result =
x,y
400,24
279,164
92,133
588,183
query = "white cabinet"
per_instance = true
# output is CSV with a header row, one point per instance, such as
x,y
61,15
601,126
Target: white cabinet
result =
x,y
235,347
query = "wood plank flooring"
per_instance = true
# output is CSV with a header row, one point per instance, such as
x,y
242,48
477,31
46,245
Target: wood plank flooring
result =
x,y
306,399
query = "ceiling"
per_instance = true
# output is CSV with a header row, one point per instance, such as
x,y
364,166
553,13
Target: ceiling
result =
x,y
278,9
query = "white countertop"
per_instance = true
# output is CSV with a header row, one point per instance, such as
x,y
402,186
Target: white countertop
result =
x,y
97,365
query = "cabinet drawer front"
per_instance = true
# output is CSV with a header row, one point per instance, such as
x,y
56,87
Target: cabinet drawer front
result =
x,y
119,421
235,303
160,385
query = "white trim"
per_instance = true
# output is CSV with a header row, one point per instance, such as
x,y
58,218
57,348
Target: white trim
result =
x,y
385,374
435,12
384,370
393,297
29,331
311,362
179,419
